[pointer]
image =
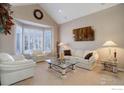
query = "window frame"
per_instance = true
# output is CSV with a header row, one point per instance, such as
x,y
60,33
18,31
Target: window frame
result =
x,y
43,37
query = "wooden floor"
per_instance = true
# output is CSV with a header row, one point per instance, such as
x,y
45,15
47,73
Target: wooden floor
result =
x,y
45,76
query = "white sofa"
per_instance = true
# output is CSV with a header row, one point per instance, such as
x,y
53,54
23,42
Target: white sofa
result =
x,y
79,56
39,56
15,68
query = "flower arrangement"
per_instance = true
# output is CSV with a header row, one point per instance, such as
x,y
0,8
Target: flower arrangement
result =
x,y
5,18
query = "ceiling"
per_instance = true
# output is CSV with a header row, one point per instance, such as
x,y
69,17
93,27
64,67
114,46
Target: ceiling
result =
x,y
20,4
64,12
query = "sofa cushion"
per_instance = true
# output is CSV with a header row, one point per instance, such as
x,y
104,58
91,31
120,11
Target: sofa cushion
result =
x,y
72,52
88,56
37,52
78,53
67,52
6,57
19,57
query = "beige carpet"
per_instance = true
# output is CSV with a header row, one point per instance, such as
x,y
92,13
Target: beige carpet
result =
x,y
45,76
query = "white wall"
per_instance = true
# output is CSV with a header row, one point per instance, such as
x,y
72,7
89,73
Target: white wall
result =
x,y
107,24
7,43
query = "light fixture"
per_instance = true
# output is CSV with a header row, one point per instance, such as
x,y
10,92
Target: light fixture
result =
x,y
60,11
111,44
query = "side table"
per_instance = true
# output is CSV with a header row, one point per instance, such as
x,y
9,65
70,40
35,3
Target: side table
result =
x,y
110,66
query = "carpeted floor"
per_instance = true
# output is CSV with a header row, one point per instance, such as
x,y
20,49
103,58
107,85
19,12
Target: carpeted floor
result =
x,y
45,76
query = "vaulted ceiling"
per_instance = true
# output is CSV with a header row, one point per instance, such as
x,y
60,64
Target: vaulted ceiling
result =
x,y
65,12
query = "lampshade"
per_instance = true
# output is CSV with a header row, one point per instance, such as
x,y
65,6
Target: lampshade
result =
x,y
61,44
109,44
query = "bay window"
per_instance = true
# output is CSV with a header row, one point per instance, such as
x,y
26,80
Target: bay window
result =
x,y
30,38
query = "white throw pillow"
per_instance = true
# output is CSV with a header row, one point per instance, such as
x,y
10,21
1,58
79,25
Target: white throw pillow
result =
x,y
6,57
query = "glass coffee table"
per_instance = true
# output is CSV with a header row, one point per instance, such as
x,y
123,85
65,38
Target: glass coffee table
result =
x,y
62,67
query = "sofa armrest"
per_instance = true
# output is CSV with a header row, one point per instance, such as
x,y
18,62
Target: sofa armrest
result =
x,y
8,67
92,59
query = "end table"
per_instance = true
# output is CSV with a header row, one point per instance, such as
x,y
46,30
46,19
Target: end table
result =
x,y
110,66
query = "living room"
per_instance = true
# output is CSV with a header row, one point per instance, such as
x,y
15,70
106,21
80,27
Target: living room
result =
x,y
46,32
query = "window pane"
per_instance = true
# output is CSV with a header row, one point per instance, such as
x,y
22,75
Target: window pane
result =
x,y
47,41
18,39
33,40
26,41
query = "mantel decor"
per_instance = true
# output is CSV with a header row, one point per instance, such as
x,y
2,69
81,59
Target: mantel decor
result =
x,y
84,34
5,18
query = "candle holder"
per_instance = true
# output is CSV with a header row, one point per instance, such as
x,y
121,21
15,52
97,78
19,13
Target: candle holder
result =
x,y
115,57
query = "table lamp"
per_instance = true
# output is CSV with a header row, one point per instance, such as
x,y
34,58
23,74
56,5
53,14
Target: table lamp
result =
x,y
111,44
58,47
61,44
61,51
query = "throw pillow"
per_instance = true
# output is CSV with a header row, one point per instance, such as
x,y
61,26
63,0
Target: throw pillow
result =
x,y
67,52
88,56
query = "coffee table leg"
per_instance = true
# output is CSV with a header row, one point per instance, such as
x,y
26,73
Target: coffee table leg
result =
x,y
50,65
73,67
114,69
63,72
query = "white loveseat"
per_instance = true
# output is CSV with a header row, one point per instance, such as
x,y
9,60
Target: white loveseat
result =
x,y
79,56
15,68
39,56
